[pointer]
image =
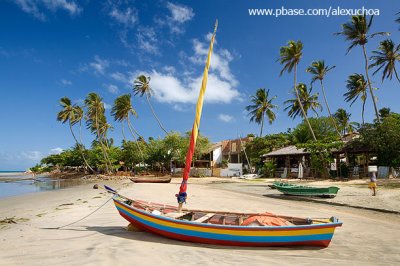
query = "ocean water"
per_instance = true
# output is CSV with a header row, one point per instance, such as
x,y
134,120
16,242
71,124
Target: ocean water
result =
x,y
14,183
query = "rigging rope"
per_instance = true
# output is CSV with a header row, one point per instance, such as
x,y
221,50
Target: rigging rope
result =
x,y
102,205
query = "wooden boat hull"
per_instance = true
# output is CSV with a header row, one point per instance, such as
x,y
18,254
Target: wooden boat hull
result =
x,y
303,235
329,192
150,180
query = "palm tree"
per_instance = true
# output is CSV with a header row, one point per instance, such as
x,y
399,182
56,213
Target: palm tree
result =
x,y
97,123
384,112
386,56
142,86
343,119
121,110
262,106
357,32
319,70
356,87
72,114
289,57
307,100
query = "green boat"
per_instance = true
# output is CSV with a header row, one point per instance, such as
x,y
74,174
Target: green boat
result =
x,y
281,184
296,190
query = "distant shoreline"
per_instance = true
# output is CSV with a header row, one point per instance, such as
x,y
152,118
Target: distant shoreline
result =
x,y
13,171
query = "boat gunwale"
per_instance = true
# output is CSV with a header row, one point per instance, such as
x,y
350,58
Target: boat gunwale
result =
x,y
231,227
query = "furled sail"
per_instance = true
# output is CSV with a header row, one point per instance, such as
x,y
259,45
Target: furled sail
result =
x,y
199,106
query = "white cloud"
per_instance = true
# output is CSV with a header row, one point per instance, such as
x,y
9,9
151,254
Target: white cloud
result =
x,y
66,82
127,17
178,108
35,7
221,85
69,6
169,69
168,88
19,160
107,106
112,89
118,76
225,118
99,65
32,155
180,14
147,40
219,61
57,150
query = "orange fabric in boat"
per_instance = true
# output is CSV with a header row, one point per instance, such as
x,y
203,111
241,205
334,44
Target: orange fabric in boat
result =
x,y
266,219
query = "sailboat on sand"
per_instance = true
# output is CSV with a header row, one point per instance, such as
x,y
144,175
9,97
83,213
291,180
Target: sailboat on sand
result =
x,y
224,228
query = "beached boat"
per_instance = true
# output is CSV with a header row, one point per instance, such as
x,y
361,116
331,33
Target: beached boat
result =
x,y
151,179
296,190
225,228
273,186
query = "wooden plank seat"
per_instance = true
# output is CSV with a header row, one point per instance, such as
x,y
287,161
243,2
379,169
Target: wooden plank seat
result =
x,y
204,218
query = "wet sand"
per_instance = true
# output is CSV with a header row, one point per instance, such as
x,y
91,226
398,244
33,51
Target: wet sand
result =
x,y
366,237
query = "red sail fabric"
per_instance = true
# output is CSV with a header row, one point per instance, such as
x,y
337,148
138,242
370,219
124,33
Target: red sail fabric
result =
x,y
189,157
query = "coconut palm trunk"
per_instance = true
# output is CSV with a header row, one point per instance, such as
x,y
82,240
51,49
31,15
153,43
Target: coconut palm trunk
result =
x,y
362,113
134,138
100,139
80,147
329,110
301,105
262,125
324,170
154,114
123,132
369,84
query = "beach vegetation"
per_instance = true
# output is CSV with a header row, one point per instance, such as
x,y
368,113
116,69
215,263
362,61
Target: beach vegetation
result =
x,y
142,87
262,108
385,59
73,114
289,57
263,145
308,101
323,127
356,88
318,70
96,122
384,139
357,32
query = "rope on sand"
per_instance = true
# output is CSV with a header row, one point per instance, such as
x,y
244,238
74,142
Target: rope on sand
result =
x,y
102,205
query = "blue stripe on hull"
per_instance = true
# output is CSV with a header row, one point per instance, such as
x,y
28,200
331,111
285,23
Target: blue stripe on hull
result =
x,y
268,239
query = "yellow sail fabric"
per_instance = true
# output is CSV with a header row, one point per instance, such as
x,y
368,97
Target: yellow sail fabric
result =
x,y
193,138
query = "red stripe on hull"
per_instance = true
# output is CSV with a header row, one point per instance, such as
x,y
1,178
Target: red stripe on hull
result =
x,y
321,243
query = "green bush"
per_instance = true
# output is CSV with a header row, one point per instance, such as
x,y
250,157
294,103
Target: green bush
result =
x,y
268,169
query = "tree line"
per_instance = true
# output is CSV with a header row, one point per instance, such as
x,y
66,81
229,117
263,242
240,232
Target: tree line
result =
x,y
358,86
104,156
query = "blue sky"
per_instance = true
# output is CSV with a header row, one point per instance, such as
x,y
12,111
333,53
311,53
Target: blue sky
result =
x,y
52,49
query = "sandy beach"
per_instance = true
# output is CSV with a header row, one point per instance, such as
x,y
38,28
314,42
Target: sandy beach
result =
x,y
366,238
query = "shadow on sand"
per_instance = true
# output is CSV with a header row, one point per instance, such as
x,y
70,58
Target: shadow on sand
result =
x,y
118,231
315,200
